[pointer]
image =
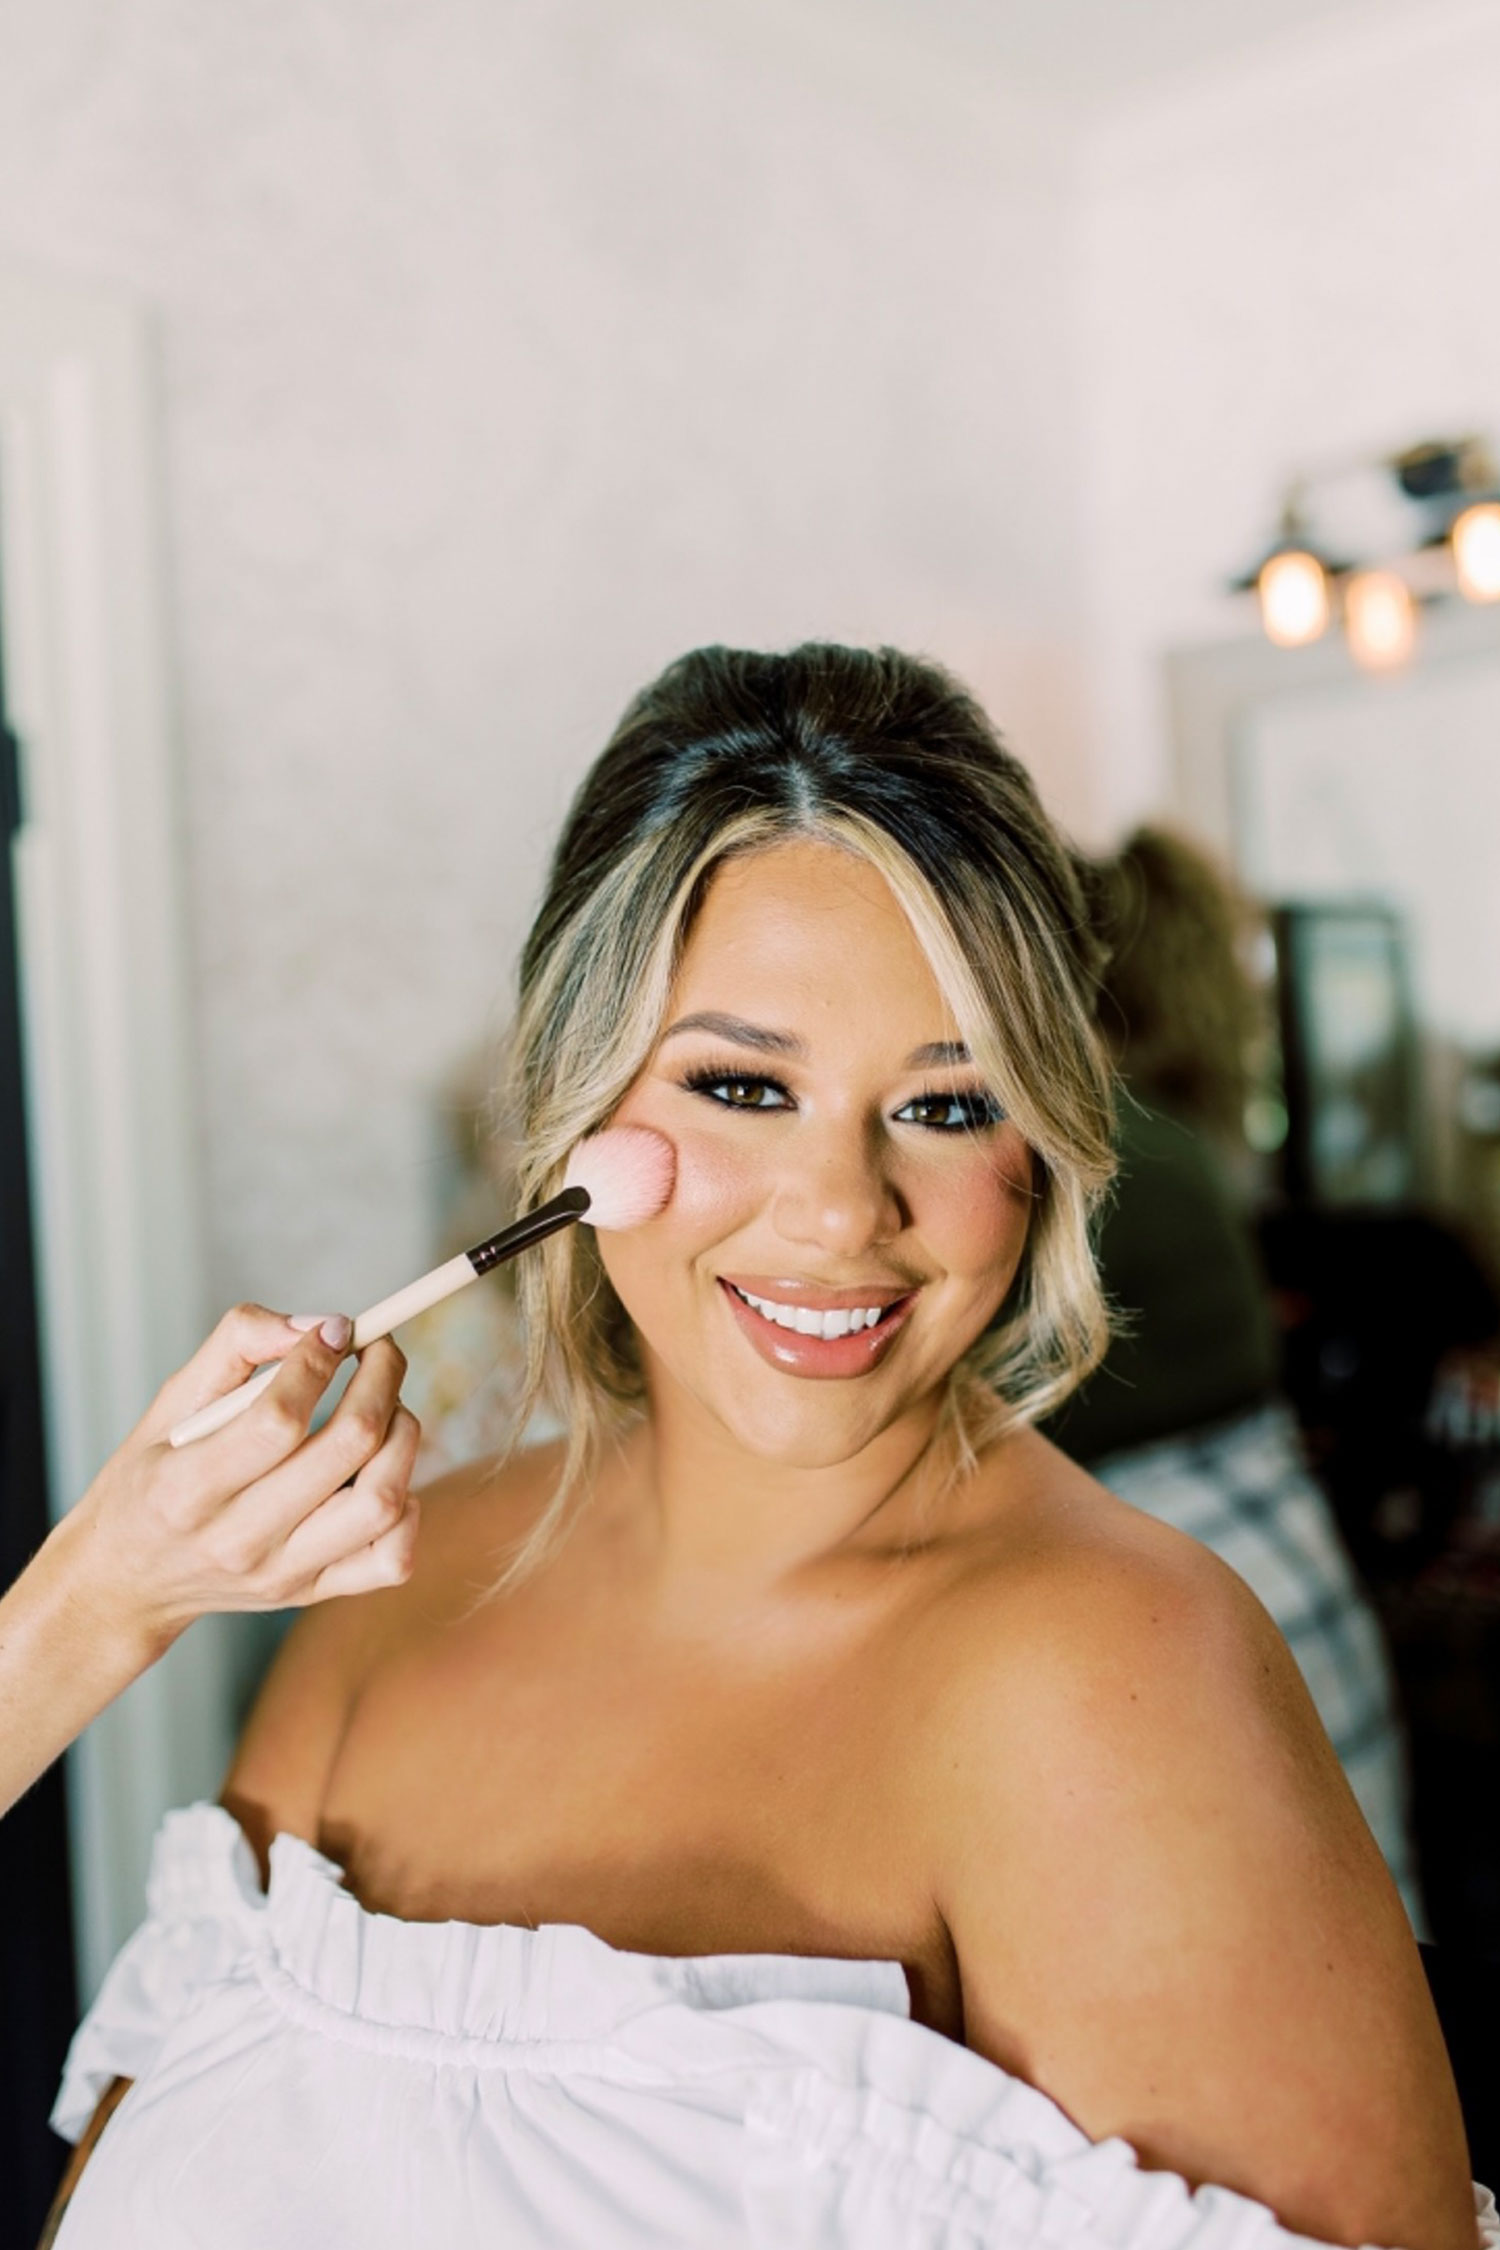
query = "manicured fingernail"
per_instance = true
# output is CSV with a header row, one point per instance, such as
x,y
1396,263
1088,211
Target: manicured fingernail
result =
x,y
303,1321
336,1332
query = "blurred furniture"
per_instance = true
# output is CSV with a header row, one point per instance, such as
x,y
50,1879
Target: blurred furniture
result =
x,y
1389,1319
1371,1303
1350,1067
1326,787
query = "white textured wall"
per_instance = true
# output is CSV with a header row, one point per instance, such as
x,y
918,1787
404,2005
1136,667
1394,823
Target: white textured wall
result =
x,y
1284,263
509,347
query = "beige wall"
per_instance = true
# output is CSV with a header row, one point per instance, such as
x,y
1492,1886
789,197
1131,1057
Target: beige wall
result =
x,y
506,350
1285,263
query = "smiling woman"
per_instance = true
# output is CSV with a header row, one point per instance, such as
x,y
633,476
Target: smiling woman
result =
x,y
915,829
801,1808
864,1194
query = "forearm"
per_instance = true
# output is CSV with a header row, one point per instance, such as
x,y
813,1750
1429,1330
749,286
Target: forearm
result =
x,y
63,1657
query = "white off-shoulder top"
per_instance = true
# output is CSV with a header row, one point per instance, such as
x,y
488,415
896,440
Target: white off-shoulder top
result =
x,y
311,2075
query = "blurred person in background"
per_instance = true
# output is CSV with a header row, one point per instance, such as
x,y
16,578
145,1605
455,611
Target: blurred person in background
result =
x,y
1183,1418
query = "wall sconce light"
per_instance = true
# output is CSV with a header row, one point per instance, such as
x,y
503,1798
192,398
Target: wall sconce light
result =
x,y
1475,540
1292,582
1293,590
1454,485
1380,618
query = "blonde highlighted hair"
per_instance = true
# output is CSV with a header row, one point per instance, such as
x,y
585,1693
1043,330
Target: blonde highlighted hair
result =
x,y
731,751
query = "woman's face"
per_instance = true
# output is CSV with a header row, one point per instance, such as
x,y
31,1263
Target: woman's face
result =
x,y
850,1208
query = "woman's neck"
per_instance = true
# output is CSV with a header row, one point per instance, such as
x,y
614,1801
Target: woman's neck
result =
x,y
716,1516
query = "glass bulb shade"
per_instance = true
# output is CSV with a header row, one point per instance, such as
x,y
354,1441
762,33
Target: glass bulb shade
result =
x,y
1293,590
1380,618
1475,539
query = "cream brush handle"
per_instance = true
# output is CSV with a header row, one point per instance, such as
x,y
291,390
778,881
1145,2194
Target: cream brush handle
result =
x,y
563,1211
416,1297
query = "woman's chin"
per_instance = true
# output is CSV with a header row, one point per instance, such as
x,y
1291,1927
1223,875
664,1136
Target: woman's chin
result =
x,y
803,1435
778,1418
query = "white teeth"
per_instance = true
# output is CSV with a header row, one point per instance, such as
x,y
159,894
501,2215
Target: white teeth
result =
x,y
805,1322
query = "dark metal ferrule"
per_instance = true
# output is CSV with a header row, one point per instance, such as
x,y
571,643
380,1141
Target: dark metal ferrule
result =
x,y
564,1210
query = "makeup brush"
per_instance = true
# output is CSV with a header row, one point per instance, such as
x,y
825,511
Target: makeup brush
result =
x,y
616,1179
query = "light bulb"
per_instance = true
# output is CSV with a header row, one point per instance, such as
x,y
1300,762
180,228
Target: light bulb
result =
x,y
1476,551
1380,618
1293,590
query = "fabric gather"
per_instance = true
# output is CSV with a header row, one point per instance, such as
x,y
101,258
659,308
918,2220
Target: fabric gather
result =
x,y
308,2072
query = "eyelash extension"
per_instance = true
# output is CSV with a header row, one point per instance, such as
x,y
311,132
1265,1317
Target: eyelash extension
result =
x,y
982,1110
705,1078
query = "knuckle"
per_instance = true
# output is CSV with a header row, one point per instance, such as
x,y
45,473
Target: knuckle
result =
x,y
387,1358
236,1554
281,1424
386,1502
180,1503
264,1587
361,1433
394,1561
243,1315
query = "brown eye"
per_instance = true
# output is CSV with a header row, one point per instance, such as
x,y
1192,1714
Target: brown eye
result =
x,y
951,1113
734,1090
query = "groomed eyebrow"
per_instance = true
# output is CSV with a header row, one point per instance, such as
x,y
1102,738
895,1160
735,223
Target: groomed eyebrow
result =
x,y
766,1042
738,1032
938,1052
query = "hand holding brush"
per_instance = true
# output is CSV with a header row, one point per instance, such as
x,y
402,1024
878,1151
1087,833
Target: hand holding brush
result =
x,y
616,1179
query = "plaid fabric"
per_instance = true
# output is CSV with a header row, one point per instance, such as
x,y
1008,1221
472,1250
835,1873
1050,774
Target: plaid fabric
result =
x,y
1243,1489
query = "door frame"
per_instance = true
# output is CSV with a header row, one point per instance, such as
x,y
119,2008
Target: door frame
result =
x,y
98,864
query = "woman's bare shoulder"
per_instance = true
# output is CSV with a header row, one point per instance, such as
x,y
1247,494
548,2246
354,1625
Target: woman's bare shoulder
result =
x,y
1080,1637
473,1520
1167,1909
1046,1551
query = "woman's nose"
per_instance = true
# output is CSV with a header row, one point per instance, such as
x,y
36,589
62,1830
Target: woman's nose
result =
x,y
837,1197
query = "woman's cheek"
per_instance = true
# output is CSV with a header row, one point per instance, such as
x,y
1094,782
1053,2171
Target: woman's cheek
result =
x,y
719,1187
714,1193
976,1214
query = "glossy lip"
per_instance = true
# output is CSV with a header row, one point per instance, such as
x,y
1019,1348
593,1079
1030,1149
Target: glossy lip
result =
x,y
831,1359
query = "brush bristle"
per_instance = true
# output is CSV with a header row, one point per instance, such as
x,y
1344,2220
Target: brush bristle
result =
x,y
628,1171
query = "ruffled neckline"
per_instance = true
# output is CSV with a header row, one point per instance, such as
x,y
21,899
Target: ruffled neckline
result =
x,y
492,1982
